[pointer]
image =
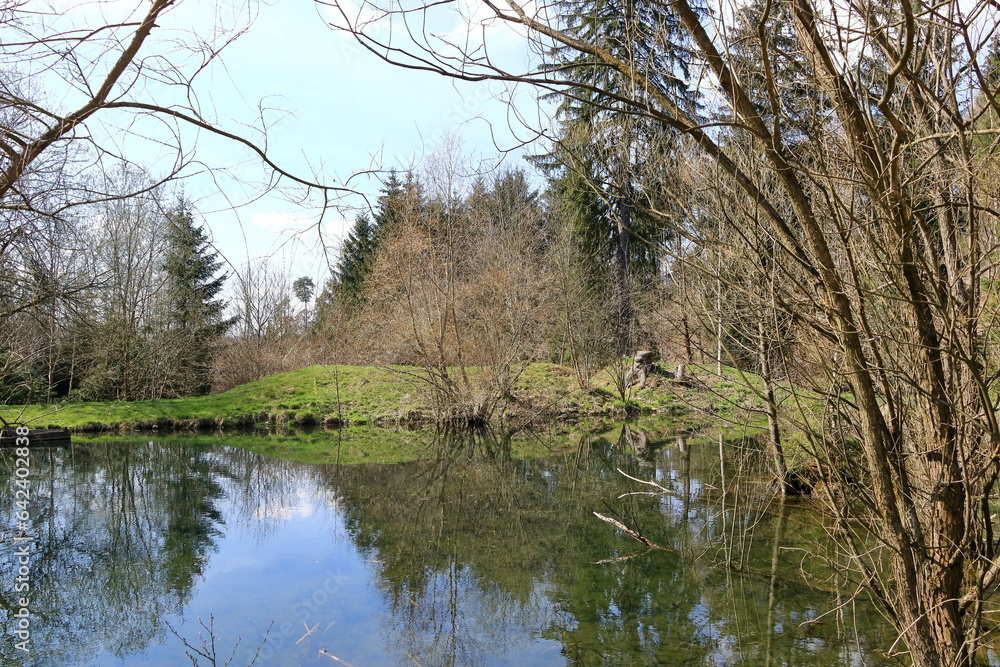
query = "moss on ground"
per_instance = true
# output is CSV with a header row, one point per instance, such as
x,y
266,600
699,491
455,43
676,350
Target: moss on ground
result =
x,y
352,395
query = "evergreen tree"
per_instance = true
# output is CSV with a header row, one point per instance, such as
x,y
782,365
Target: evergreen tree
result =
x,y
194,313
508,205
785,94
357,255
390,209
303,289
398,204
512,197
609,159
579,207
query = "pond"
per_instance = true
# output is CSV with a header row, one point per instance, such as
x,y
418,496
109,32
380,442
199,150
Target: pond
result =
x,y
467,555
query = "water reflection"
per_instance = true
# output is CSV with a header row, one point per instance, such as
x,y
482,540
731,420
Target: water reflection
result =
x,y
123,532
467,557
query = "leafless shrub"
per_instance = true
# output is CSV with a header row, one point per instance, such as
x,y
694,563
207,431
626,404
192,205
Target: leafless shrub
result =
x,y
463,283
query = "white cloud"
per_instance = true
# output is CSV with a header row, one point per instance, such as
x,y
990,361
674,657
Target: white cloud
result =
x,y
235,563
299,507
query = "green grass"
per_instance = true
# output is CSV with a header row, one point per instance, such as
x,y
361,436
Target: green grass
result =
x,y
306,396
375,395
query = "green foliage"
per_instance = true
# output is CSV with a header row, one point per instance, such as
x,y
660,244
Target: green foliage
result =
x,y
195,315
799,103
394,204
303,289
608,169
357,256
192,269
633,31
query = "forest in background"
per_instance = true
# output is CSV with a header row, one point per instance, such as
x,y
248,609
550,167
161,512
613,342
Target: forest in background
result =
x,y
131,301
806,190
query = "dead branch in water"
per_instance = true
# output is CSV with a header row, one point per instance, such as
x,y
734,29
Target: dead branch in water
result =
x,y
659,492
630,532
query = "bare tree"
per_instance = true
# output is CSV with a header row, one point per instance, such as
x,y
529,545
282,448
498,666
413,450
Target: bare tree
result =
x,y
128,240
866,199
118,73
92,86
459,282
267,333
86,88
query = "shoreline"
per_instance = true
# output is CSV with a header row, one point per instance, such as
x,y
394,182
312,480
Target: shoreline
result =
x,y
339,396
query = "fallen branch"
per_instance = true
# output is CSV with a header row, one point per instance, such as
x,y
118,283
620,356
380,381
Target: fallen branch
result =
x,y
323,651
621,559
630,532
659,492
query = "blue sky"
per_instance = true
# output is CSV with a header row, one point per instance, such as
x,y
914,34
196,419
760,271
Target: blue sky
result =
x,y
334,109
348,112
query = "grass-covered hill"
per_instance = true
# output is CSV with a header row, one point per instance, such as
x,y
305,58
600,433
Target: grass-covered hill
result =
x,y
338,395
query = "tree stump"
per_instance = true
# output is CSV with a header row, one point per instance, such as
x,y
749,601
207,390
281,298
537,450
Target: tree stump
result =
x,y
642,364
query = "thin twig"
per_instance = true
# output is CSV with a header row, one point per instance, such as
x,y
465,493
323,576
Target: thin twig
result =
x,y
630,532
309,631
662,490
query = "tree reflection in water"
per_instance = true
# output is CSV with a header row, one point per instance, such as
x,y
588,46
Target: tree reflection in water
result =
x,y
467,557
474,548
122,534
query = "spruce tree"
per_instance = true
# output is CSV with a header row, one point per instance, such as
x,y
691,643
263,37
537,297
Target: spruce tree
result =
x,y
391,206
608,159
512,196
356,257
397,205
194,314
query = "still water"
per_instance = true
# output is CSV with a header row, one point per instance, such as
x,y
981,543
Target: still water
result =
x,y
468,556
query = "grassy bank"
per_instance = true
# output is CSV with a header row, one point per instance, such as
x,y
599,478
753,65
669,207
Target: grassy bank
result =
x,y
350,395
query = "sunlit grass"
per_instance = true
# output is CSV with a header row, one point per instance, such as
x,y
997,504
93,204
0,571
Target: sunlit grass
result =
x,y
338,395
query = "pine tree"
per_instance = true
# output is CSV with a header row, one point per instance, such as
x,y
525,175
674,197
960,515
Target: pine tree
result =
x,y
194,314
605,152
397,205
356,257
303,289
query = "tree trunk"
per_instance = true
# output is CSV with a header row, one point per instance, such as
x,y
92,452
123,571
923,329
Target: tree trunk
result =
x,y
623,281
779,533
771,408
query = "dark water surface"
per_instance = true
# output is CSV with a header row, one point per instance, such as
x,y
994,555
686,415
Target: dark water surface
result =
x,y
469,557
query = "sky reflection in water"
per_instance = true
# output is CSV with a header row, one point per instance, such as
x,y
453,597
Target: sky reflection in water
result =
x,y
467,558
